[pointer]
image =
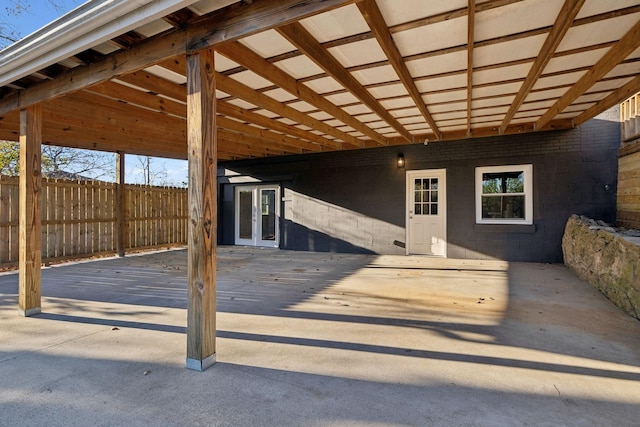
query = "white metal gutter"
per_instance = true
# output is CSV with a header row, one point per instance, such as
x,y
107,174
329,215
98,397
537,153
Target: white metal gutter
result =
x,y
88,25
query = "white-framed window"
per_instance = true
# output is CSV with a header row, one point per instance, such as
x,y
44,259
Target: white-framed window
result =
x,y
504,194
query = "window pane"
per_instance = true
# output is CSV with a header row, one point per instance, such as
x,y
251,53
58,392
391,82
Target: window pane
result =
x,y
425,196
434,196
503,182
418,209
434,209
268,198
245,215
434,184
418,184
418,196
503,207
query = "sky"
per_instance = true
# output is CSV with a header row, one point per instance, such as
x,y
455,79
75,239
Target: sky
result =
x,y
37,14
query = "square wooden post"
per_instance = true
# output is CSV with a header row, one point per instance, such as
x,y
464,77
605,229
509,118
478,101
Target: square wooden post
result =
x,y
201,145
30,256
120,205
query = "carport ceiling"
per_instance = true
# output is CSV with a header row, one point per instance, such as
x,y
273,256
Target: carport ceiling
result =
x,y
346,75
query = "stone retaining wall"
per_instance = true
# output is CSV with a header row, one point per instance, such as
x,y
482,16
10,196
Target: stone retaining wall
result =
x,y
607,258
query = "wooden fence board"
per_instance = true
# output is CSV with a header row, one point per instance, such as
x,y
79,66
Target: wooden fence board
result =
x,y
78,218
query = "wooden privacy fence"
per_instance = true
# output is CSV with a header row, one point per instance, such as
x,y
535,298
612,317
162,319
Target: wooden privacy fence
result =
x,y
79,218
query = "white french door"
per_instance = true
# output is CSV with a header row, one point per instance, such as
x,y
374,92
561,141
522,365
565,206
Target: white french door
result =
x,y
427,212
257,215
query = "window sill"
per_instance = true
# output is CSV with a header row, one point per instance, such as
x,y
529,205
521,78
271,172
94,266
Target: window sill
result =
x,y
505,228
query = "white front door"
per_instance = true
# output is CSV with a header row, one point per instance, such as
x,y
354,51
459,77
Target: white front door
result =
x,y
427,212
257,215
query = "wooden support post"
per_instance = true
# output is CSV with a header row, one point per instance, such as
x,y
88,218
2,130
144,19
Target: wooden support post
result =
x,y
120,205
30,276
201,145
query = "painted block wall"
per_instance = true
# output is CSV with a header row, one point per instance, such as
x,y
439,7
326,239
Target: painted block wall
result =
x,y
354,201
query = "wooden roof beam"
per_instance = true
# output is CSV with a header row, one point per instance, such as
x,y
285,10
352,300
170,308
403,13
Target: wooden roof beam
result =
x,y
375,20
230,23
616,97
618,52
239,90
249,59
297,35
560,27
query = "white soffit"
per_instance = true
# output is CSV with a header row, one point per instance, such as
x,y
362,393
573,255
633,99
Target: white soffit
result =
x,y
342,98
203,7
528,47
411,120
388,91
591,97
376,75
438,64
358,53
530,113
268,43
490,111
241,103
406,112
596,7
167,74
368,118
451,115
566,79
401,11
436,36
357,109
106,48
527,106
493,90
266,113
597,32
251,79
336,24
152,28
546,94
397,103
577,60
302,106
515,18
442,83
452,106
609,85
324,85
280,95
503,100
222,63
625,70
320,115
433,98
501,74
299,67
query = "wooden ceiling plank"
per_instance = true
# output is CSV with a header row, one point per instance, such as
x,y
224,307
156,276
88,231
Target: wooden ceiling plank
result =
x,y
560,27
249,59
616,97
230,23
616,54
376,22
239,90
297,35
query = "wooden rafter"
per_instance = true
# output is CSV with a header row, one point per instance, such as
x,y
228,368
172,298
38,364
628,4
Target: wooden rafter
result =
x,y
627,44
297,35
239,90
616,97
471,19
562,24
375,20
252,61
230,23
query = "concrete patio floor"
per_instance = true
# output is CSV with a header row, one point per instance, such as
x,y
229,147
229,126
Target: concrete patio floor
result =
x,y
320,339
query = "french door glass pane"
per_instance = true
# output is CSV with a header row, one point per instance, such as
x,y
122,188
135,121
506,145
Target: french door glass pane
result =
x,y
268,214
245,214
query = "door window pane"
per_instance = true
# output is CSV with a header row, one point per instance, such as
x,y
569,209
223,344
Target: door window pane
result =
x,y
245,214
268,210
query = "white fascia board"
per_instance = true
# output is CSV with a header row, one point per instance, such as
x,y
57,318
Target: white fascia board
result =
x,y
90,24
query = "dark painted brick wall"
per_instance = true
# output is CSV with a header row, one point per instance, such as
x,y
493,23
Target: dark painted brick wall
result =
x,y
355,201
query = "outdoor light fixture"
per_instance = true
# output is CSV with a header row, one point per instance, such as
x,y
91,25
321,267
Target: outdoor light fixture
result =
x,y
400,161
